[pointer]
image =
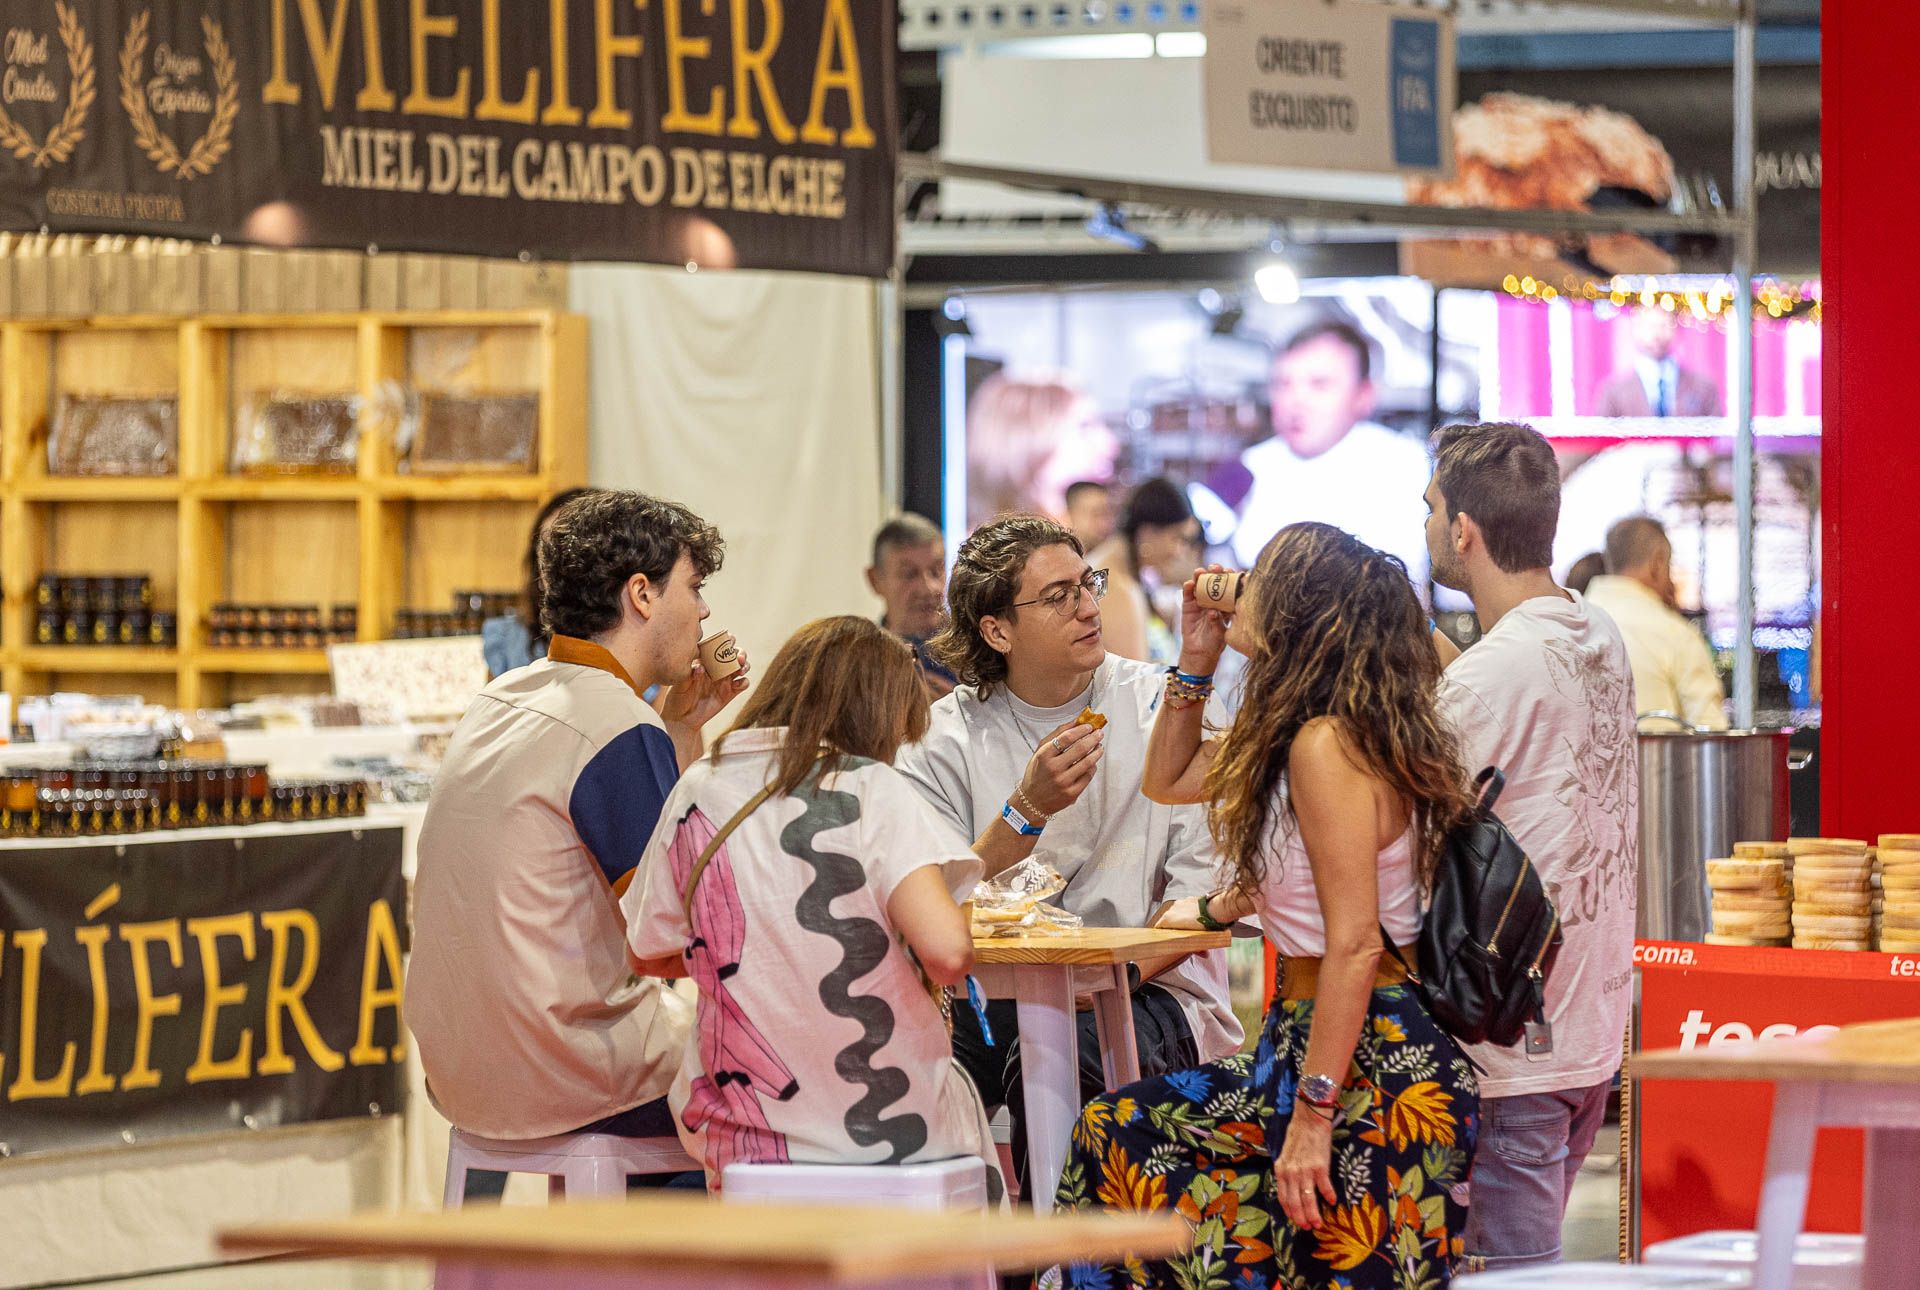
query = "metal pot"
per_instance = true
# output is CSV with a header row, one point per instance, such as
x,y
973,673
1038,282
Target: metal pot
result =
x,y
1701,791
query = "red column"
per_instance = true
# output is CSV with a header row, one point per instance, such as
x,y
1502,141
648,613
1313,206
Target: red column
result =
x,y
1870,456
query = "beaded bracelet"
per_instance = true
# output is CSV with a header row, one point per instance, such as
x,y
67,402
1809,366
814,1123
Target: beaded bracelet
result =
x,y
1182,693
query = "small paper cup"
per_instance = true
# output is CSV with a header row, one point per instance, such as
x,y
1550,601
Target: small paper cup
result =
x,y
1219,591
720,656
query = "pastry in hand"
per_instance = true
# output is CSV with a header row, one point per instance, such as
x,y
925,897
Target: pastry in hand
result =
x,y
1088,717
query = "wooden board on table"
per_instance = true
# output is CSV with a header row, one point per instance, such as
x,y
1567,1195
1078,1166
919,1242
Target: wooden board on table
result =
x,y
694,1236
1096,945
1871,1052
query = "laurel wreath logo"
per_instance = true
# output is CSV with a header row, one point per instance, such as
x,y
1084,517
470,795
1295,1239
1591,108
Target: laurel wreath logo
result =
x,y
210,147
65,136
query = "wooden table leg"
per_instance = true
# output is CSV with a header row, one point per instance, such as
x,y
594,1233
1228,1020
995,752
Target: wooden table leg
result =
x,y
1049,1073
1113,1018
1783,1196
1891,1214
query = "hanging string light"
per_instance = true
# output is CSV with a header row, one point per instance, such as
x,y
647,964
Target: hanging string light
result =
x,y
1771,299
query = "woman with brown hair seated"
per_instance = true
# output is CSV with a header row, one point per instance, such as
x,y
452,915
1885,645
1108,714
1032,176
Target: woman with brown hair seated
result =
x,y
1336,1153
810,893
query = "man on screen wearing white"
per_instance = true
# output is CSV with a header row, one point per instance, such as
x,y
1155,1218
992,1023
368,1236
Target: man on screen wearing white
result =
x,y
1326,460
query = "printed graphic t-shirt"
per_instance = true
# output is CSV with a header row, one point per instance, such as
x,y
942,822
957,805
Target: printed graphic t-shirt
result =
x,y
816,1040
1547,696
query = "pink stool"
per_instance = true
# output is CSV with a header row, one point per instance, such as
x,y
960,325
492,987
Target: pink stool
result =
x,y
577,1165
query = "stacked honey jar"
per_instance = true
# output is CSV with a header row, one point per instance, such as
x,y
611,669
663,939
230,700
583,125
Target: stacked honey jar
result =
x,y
111,798
1819,894
1898,863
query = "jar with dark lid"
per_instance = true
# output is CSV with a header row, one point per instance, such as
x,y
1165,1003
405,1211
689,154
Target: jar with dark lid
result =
x,y
354,802
213,795
157,784
106,627
239,806
48,627
56,812
162,629
46,591
78,628
186,810
133,627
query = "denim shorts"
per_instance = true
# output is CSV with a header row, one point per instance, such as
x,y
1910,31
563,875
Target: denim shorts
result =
x,y
1530,1150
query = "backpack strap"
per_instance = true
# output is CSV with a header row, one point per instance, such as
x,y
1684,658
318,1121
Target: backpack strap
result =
x,y
1420,991
1487,787
754,803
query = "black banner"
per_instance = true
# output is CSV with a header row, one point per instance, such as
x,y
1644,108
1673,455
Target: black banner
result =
x,y
159,989
749,133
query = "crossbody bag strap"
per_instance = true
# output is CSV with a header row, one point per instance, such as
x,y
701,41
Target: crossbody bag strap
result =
x,y
754,803
1420,992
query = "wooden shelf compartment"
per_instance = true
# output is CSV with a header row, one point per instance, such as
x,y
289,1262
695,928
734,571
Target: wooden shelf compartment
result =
x,y
263,662
45,365
96,658
379,538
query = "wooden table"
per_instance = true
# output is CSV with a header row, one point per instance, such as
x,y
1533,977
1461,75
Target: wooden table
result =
x,y
663,1240
1038,973
1866,1076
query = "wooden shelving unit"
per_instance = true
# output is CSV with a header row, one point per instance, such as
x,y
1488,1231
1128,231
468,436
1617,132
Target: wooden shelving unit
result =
x,y
379,538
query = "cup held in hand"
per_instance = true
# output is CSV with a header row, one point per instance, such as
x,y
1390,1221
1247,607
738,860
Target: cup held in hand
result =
x,y
1219,591
720,656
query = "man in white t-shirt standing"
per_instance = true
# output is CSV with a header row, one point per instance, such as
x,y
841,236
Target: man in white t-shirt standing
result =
x,y
1547,696
1326,461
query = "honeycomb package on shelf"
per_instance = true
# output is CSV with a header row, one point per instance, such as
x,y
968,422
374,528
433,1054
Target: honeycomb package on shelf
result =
x,y
1833,894
1899,892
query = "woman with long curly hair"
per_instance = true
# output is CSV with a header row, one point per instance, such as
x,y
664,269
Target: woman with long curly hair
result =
x,y
1336,1153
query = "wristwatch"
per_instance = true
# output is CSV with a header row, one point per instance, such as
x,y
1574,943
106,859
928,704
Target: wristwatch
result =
x,y
1322,1092
1204,916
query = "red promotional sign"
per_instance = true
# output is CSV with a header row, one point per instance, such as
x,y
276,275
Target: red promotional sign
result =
x,y
1702,1146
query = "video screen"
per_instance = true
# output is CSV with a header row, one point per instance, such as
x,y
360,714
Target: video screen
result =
x,y
1267,414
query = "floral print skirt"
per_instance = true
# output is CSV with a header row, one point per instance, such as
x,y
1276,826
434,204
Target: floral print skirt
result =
x,y
1202,1142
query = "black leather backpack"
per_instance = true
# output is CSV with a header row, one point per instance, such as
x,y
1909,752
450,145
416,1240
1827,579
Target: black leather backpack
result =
x,y
1490,934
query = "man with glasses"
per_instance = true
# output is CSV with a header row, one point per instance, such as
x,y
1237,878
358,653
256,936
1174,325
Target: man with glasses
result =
x,y
1007,763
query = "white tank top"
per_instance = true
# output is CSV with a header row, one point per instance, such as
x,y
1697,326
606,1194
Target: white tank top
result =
x,y
1290,904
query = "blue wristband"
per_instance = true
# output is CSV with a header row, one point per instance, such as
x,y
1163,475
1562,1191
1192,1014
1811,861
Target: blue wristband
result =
x,y
1178,675
1012,818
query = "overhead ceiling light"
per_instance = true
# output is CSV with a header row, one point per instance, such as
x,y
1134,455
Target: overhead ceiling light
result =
x,y
1278,284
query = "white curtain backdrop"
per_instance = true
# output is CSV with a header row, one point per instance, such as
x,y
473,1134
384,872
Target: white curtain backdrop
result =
x,y
754,399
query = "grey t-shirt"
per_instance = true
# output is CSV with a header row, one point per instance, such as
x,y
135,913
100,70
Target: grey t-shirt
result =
x,y
1121,854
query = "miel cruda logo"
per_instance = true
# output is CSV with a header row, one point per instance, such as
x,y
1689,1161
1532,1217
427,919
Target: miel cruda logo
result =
x,y
28,89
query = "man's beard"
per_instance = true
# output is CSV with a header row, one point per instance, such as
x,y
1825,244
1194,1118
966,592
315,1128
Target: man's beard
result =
x,y
1448,572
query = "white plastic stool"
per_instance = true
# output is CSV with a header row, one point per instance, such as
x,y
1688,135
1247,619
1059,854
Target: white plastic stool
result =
x,y
1604,1276
941,1184
577,1165
1821,1260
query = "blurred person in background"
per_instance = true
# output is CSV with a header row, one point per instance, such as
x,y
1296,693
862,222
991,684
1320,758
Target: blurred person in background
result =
x,y
1090,512
1672,663
1028,439
519,638
1585,570
1657,385
1158,546
1327,461
909,574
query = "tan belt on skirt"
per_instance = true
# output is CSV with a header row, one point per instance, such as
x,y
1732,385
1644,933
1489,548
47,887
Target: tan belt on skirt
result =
x,y
1300,977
